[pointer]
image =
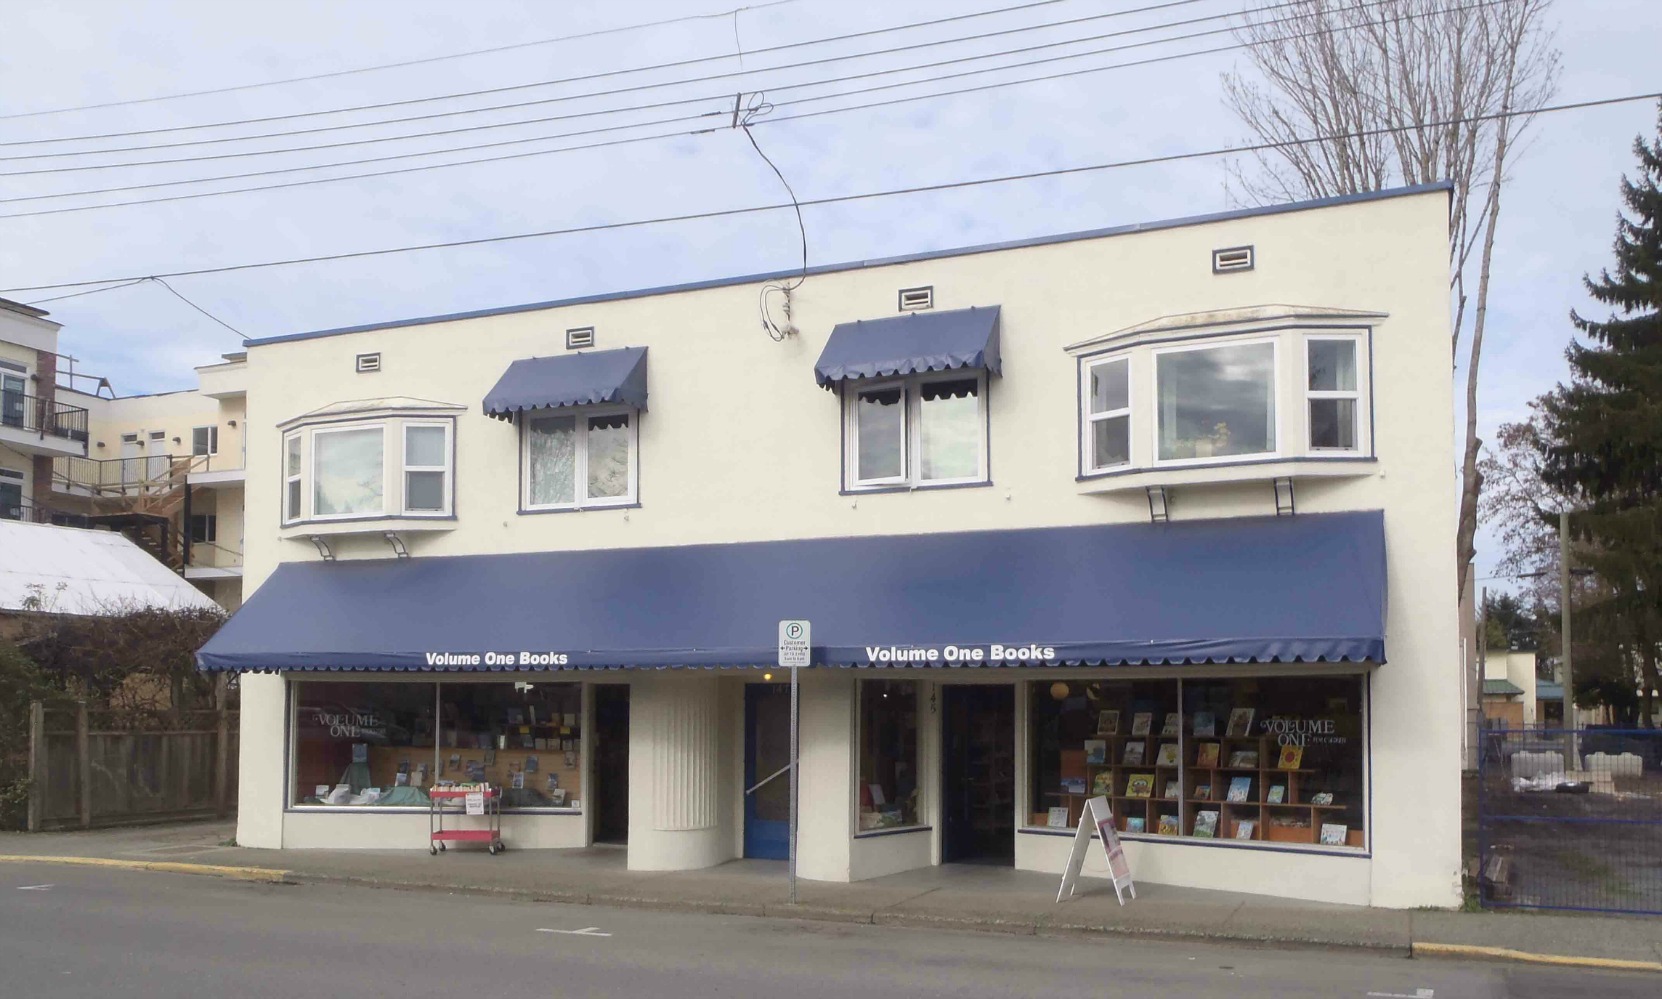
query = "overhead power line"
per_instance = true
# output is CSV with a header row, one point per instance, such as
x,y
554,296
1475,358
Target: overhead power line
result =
x,y
399,65
582,78
635,89
847,198
724,113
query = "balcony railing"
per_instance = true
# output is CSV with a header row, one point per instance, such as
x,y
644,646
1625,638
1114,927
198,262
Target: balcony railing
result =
x,y
45,417
225,461
114,476
26,509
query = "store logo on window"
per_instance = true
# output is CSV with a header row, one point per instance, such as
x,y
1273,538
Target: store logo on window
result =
x,y
350,723
1292,731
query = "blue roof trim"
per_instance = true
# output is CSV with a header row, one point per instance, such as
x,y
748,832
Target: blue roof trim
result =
x,y
1302,589
909,344
590,378
1013,244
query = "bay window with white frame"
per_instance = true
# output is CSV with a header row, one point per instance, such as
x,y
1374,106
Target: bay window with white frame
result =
x,y
426,468
1108,414
396,467
926,430
293,489
1333,392
1215,401
348,473
579,458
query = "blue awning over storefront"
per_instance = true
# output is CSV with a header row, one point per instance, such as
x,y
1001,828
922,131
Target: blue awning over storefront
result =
x,y
1291,589
593,377
910,344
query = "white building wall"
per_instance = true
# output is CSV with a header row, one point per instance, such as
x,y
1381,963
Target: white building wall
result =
x,y
740,445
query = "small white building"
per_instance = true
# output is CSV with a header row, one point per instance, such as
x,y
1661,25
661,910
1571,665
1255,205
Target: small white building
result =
x,y
1162,512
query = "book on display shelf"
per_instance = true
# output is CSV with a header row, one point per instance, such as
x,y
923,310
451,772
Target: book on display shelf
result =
x,y
1207,754
1203,792
1134,824
1290,758
1240,788
1107,722
1168,755
1206,725
1073,785
1245,829
1277,795
1173,790
1244,759
1173,725
1333,834
1322,798
1141,722
1240,723
1057,818
1168,825
1206,824
1139,786
1103,783
1133,754
1096,751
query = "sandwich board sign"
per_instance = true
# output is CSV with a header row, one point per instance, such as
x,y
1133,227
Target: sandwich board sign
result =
x,y
1096,821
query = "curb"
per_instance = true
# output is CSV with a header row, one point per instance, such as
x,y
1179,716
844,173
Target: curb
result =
x,y
1428,949
166,866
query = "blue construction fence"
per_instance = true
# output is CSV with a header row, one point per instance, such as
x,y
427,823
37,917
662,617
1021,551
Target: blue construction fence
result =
x,y
1570,819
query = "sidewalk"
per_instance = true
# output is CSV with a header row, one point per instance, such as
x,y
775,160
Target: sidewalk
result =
x,y
962,897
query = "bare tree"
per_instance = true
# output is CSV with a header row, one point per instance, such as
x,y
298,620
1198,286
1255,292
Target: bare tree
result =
x,y
1357,96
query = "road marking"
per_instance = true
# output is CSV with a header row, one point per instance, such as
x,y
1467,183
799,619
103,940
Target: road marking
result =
x,y
1417,994
587,931
34,888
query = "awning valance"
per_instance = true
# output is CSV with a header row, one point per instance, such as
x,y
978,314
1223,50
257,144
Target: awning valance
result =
x,y
910,344
594,377
1291,589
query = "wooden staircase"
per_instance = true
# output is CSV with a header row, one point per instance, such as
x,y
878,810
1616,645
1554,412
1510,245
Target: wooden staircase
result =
x,y
147,508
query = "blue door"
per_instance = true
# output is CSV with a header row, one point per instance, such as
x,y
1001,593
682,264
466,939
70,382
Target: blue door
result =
x,y
767,747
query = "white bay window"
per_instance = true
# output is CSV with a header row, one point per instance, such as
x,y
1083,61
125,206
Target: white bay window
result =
x,y
1216,401
1108,414
395,465
348,479
1333,393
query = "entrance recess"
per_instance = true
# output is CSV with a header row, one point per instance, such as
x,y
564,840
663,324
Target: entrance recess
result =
x,y
767,748
610,793
978,774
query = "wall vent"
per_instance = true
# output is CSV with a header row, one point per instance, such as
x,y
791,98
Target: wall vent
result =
x,y
579,338
368,363
1233,258
917,299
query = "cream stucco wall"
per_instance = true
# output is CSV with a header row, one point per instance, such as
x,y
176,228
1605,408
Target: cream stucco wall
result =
x,y
1519,668
740,444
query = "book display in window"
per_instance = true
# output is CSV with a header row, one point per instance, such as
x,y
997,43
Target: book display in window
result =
x,y
1141,722
1107,723
1168,755
1206,824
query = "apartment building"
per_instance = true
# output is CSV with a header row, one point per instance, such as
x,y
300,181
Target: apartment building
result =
x,y
1163,513
164,469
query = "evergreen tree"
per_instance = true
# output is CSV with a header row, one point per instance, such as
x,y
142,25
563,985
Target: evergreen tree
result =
x,y
1604,429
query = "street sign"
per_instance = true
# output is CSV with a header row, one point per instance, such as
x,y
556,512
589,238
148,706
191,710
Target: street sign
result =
x,y
793,644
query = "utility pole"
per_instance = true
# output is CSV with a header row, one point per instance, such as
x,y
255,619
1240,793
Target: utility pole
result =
x,y
1574,761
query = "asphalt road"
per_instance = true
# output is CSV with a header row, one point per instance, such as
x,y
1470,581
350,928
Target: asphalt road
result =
x,y
83,932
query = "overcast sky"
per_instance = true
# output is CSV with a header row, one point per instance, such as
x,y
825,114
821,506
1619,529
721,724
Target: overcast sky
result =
x,y
1556,222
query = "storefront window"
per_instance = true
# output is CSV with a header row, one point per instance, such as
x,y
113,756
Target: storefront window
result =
x,y
1267,759
888,789
376,744
366,744
525,738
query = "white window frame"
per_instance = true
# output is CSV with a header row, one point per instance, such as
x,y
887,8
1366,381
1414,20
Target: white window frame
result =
x,y
210,524
1087,442
1275,399
1310,395
213,440
912,431
296,515
580,461
406,468
311,493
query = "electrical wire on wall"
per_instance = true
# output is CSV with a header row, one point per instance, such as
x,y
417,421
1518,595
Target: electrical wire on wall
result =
x,y
745,112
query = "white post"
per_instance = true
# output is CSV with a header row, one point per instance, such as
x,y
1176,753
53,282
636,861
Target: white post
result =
x,y
1574,762
795,784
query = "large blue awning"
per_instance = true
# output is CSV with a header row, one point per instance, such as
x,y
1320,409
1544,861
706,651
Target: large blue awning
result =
x,y
1292,589
910,344
593,377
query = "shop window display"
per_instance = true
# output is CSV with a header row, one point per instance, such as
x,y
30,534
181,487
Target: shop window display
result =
x,y
378,744
363,744
1266,759
888,790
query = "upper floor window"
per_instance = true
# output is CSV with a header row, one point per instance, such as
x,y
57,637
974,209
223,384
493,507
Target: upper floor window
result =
x,y
578,458
204,440
919,431
1333,393
1216,402
394,465
1108,414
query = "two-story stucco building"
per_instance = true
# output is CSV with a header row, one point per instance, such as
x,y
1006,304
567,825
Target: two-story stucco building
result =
x,y
1164,513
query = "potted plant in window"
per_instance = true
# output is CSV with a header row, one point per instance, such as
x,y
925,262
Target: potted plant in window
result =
x,y
1215,443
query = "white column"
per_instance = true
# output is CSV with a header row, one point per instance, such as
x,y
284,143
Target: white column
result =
x,y
675,777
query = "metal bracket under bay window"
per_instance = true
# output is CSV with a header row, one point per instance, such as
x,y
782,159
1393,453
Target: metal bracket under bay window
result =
x,y
397,544
322,544
1159,499
1284,504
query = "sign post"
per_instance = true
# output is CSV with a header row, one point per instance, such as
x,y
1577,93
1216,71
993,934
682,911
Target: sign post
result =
x,y
1096,821
793,653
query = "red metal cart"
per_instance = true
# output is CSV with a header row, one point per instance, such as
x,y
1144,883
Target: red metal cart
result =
x,y
448,801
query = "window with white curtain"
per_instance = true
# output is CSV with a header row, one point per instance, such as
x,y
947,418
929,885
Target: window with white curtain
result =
x,y
920,431
579,458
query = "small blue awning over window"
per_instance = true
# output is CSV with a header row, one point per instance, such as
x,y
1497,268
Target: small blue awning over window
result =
x,y
911,344
1305,588
593,377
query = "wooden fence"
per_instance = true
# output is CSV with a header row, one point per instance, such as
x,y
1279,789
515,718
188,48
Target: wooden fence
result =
x,y
98,768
